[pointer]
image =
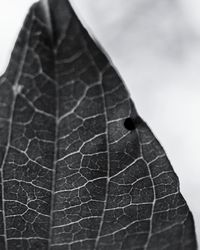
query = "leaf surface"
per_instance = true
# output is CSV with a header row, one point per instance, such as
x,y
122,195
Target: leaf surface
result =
x,y
79,168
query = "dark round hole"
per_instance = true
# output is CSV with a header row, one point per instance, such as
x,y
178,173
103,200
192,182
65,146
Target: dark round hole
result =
x,y
129,124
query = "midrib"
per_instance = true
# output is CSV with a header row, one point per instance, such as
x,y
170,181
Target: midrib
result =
x,y
55,148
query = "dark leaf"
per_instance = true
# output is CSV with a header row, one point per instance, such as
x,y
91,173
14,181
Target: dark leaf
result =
x,y
79,168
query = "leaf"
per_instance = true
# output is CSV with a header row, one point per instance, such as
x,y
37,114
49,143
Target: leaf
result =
x,y
79,168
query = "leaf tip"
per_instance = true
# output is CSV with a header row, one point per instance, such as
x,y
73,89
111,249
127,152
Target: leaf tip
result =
x,y
57,16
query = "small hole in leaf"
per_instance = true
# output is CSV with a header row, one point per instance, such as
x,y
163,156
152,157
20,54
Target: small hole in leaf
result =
x,y
129,124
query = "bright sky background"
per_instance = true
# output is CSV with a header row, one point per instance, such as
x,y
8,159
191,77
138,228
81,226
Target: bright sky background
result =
x,y
155,45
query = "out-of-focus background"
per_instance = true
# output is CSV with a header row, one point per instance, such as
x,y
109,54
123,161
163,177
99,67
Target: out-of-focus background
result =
x,y
155,45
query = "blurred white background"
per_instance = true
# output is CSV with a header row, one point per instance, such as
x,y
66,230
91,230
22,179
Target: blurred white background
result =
x,y
155,45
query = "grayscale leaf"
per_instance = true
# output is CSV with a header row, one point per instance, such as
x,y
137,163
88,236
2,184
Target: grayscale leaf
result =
x,y
80,170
